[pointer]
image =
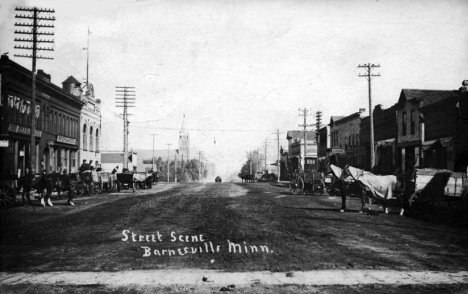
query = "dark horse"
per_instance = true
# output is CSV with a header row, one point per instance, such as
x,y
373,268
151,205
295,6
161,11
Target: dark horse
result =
x,y
62,183
345,185
381,187
246,177
46,184
155,177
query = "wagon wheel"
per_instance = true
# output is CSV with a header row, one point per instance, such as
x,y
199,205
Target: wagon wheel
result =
x,y
318,187
7,196
420,204
77,190
100,187
296,185
464,208
93,188
119,186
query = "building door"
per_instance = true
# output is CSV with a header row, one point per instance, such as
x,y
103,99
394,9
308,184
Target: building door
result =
x,y
410,158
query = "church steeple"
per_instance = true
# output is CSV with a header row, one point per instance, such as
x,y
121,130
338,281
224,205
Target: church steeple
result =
x,y
184,142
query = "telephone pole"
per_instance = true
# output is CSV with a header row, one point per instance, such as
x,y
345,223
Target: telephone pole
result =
x,y
266,149
152,161
125,98
168,161
38,22
278,159
304,113
368,75
199,165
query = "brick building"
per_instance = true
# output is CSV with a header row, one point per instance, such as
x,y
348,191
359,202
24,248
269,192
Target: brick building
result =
x,y
57,117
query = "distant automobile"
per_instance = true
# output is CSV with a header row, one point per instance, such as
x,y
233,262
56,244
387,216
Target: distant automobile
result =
x,y
218,179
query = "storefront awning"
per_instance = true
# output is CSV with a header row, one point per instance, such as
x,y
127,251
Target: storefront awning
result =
x,y
444,142
385,143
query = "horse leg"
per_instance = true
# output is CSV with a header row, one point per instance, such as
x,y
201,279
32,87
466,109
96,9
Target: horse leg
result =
x,y
363,195
70,197
47,198
343,199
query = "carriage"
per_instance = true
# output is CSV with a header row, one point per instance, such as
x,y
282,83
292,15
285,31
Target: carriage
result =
x,y
107,181
8,190
125,181
308,181
427,189
143,180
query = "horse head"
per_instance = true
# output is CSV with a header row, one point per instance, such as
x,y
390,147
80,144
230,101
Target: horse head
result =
x,y
345,172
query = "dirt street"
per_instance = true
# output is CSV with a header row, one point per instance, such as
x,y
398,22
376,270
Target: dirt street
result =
x,y
230,228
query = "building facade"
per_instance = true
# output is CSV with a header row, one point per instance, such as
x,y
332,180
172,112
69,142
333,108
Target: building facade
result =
x,y
385,134
345,142
427,122
57,117
296,147
90,120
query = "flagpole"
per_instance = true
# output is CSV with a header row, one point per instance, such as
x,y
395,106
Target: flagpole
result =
x,y
87,61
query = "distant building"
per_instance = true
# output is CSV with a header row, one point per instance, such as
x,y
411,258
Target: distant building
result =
x,y
296,150
112,159
184,143
346,147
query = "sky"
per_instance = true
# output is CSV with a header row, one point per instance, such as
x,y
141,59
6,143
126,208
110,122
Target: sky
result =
x,y
241,70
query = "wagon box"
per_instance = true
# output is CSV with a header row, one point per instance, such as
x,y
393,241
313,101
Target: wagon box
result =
x,y
440,182
429,187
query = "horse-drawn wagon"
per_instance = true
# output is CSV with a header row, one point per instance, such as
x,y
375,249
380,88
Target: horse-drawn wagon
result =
x,y
125,181
309,182
429,188
107,181
143,180
8,190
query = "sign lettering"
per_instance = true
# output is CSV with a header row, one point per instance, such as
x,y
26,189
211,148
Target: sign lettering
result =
x,y
66,140
23,130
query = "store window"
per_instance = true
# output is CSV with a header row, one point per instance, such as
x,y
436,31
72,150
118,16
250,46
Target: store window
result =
x,y
97,140
85,139
91,139
403,123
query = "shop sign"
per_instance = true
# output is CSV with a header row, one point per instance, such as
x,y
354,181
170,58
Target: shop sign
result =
x,y
23,130
22,105
356,149
66,140
338,151
4,143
